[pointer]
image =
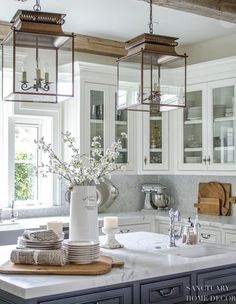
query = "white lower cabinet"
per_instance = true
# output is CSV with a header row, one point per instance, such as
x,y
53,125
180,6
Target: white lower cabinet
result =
x,y
135,227
162,227
211,235
230,238
208,234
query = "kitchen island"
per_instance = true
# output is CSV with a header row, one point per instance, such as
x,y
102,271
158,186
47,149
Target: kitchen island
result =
x,y
152,273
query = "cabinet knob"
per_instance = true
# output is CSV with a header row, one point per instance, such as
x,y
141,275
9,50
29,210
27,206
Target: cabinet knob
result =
x,y
209,160
204,160
145,160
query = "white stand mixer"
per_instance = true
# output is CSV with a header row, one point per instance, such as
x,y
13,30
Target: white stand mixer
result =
x,y
155,198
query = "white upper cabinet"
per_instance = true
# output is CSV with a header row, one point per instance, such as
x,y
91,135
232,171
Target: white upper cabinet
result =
x,y
155,152
206,127
94,113
192,125
221,123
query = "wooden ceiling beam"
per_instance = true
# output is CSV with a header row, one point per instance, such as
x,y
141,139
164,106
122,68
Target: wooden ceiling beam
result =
x,y
217,9
86,44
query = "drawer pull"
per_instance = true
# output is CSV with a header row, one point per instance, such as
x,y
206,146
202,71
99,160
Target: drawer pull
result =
x,y
166,292
232,242
205,236
125,231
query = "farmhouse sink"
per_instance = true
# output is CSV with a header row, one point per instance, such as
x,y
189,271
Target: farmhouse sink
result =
x,y
8,223
197,251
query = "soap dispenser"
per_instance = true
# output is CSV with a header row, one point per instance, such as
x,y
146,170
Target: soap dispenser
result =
x,y
188,236
197,229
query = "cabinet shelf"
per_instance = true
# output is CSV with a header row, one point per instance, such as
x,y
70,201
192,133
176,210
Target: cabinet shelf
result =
x,y
223,119
91,149
97,121
119,122
193,122
155,118
193,149
155,149
230,148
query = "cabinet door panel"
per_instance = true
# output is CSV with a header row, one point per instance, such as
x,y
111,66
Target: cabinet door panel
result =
x,y
222,154
230,238
210,235
116,296
192,137
96,111
121,124
167,292
220,281
155,141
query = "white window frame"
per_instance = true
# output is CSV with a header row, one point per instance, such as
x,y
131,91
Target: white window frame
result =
x,y
45,186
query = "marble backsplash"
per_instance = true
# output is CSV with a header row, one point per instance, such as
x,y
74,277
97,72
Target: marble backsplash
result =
x,y
183,188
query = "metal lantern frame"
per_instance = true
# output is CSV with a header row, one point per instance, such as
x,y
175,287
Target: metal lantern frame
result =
x,y
141,53
152,46
46,25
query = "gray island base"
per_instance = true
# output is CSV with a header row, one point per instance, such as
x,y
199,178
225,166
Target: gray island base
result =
x,y
150,275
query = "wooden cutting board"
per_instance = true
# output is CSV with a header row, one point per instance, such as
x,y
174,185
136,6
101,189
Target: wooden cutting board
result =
x,y
210,206
225,208
221,191
211,190
101,266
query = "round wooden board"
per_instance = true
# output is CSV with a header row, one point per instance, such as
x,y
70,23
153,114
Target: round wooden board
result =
x,y
212,190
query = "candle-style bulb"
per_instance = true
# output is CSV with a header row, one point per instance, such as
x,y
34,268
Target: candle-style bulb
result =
x,y
24,73
46,73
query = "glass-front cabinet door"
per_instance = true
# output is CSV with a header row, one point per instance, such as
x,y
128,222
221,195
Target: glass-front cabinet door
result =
x,y
101,119
122,129
222,125
155,141
191,130
96,116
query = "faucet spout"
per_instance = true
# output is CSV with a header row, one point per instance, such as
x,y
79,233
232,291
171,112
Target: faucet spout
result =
x,y
174,216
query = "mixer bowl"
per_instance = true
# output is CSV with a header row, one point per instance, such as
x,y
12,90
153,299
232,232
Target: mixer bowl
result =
x,y
160,200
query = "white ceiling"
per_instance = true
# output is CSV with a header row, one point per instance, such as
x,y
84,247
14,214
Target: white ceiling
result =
x,y
124,19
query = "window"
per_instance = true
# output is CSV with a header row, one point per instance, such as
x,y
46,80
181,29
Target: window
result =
x,y
26,158
27,189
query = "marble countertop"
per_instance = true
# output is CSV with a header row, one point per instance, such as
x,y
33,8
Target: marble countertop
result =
x,y
226,222
142,261
41,222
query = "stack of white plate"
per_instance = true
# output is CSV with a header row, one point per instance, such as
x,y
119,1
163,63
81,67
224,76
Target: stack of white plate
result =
x,y
82,252
194,113
40,245
193,159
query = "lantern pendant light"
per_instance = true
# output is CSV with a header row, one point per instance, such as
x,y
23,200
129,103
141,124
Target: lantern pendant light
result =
x,y
37,58
154,71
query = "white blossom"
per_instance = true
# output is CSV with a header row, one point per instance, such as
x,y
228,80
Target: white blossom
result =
x,y
81,169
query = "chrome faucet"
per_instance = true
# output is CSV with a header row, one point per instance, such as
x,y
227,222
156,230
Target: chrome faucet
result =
x,y
174,216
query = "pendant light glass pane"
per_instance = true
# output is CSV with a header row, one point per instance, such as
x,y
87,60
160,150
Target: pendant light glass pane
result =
x,y
7,66
38,59
163,81
158,81
129,75
65,71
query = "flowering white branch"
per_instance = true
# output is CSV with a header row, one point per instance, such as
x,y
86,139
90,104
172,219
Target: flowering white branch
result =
x,y
81,170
